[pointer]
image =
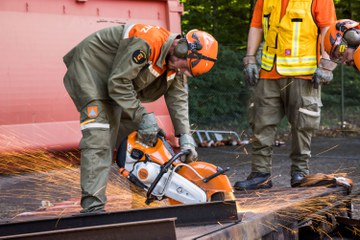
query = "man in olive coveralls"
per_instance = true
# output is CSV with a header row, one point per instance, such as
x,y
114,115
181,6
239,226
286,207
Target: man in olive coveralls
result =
x,y
111,72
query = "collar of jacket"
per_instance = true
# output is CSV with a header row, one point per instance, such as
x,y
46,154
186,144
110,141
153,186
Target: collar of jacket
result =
x,y
165,49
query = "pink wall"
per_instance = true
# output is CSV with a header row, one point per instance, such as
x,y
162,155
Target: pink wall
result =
x,y
35,110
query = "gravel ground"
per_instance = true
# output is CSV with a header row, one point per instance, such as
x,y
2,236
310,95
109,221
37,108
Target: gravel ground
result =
x,y
329,156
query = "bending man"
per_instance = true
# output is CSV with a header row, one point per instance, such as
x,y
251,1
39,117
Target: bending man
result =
x,y
111,72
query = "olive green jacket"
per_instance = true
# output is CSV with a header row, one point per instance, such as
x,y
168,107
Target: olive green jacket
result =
x,y
102,67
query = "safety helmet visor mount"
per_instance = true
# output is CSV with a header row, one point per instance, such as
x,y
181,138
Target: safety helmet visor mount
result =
x,y
199,49
195,57
338,50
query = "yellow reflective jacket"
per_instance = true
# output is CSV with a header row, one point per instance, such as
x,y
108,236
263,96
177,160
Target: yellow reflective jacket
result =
x,y
290,41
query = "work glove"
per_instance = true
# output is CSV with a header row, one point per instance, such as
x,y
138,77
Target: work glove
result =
x,y
251,70
323,74
187,142
148,129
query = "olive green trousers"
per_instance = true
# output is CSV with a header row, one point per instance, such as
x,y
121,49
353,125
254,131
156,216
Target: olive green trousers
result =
x,y
102,133
99,126
271,101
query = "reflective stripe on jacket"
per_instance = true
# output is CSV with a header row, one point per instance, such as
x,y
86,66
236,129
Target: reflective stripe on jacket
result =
x,y
290,41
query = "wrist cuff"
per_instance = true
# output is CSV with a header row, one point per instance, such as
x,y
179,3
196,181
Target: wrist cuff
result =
x,y
187,139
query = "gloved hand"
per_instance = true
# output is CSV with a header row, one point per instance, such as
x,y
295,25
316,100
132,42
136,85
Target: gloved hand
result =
x,y
251,70
187,142
148,129
323,74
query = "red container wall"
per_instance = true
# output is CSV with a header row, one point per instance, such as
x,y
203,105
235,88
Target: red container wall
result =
x,y
35,110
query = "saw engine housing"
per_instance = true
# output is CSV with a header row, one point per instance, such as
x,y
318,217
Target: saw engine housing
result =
x,y
159,171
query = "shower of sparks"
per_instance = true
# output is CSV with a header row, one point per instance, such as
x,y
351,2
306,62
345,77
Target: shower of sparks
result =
x,y
242,147
327,150
299,205
286,85
42,180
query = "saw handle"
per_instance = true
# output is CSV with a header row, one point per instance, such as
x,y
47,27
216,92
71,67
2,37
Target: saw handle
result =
x,y
163,170
219,171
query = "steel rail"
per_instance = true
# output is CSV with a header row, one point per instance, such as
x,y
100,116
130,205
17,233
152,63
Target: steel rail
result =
x,y
152,229
191,214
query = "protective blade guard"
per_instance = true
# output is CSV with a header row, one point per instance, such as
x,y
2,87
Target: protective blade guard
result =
x,y
159,171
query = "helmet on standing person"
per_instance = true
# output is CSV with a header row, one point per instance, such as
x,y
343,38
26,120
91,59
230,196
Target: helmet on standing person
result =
x,y
200,49
343,34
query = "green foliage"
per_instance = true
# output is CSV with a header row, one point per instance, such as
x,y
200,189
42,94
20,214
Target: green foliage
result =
x,y
349,9
218,98
332,97
227,20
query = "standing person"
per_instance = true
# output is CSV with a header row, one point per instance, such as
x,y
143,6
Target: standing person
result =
x,y
342,42
292,69
111,72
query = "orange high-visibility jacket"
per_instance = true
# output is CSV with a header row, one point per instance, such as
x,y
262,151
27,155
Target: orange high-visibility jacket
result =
x,y
126,64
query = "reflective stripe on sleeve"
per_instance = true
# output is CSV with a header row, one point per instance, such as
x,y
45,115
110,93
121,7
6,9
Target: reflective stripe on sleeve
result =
x,y
153,71
170,77
95,125
126,34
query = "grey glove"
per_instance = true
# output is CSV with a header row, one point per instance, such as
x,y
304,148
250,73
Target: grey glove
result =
x,y
187,142
148,129
251,70
323,74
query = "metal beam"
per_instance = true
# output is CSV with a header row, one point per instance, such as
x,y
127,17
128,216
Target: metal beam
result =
x,y
191,214
165,229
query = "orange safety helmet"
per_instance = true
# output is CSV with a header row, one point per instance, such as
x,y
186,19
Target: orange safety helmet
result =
x,y
357,59
342,34
200,49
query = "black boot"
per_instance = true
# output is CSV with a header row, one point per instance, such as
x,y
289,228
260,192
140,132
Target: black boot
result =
x,y
296,178
254,181
92,211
